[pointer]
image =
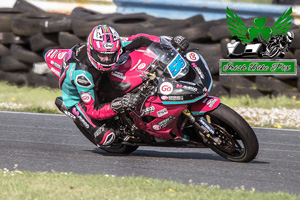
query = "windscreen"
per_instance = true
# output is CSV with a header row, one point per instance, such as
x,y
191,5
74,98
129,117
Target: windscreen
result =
x,y
168,59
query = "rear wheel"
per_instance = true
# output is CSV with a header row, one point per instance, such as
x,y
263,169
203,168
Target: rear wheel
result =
x,y
238,140
113,148
119,148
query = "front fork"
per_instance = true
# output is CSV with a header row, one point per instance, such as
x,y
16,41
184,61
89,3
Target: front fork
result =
x,y
205,130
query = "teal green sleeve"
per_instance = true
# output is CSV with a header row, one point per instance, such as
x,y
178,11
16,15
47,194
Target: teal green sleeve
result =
x,y
84,82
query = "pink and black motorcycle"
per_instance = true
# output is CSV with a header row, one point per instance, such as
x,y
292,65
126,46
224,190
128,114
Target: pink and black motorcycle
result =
x,y
177,110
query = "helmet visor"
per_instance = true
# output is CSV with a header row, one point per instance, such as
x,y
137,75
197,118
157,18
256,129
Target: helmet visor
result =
x,y
105,58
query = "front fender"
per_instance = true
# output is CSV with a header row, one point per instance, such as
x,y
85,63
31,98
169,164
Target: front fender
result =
x,y
204,105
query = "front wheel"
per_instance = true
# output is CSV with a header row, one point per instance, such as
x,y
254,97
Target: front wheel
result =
x,y
239,142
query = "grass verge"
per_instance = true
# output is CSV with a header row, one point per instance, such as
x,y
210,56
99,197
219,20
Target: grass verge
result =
x,y
41,185
28,99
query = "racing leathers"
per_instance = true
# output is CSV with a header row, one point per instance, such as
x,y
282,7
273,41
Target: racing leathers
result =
x,y
79,82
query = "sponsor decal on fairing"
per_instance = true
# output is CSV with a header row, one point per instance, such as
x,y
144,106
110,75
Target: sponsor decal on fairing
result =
x,y
164,98
190,88
166,88
148,110
162,112
175,98
166,122
156,127
211,102
192,56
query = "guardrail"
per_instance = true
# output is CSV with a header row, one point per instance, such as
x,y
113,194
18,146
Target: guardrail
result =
x,y
211,10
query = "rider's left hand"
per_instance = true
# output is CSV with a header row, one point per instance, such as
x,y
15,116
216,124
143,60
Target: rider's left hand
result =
x,y
179,42
131,101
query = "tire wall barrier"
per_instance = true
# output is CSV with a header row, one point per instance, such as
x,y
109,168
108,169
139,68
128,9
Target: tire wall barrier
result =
x,y
26,31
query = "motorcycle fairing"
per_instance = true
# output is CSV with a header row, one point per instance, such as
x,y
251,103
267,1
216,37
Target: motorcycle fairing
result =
x,y
207,104
129,73
199,76
163,119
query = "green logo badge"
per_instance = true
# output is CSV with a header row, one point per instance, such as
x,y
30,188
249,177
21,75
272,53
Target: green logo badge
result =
x,y
259,31
260,41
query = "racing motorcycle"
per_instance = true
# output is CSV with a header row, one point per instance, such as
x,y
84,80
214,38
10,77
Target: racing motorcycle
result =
x,y
177,110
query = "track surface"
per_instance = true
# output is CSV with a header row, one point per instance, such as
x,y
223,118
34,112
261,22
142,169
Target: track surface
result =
x,y
38,142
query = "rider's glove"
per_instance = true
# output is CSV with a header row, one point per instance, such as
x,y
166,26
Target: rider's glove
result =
x,y
116,105
131,101
127,102
179,42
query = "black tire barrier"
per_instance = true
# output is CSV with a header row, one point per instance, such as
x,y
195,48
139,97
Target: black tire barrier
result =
x,y
10,64
297,56
24,6
30,24
40,41
172,30
81,13
296,40
67,40
213,64
195,20
207,50
219,32
26,31
218,90
6,15
25,55
14,78
200,31
4,50
223,47
47,80
271,84
126,25
298,84
162,22
10,38
234,92
82,27
289,77
237,82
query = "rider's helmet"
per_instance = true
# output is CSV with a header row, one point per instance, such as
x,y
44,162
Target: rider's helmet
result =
x,y
104,47
289,36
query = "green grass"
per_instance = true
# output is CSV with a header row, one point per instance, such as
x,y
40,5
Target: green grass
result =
x,y
14,98
56,186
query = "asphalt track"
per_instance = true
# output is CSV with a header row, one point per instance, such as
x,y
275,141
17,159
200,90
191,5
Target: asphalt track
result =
x,y
42,142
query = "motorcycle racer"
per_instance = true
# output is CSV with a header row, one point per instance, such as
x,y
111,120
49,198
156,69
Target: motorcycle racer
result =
x,y
83,68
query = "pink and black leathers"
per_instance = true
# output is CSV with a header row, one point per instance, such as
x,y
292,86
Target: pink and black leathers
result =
x,y
79,82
